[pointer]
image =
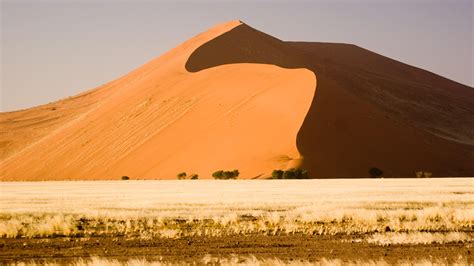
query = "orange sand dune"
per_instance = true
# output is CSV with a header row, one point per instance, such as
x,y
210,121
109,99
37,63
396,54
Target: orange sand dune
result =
x,y
235,98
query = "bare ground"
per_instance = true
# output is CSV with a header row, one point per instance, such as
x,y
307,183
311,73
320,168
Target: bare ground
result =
x,y
284,247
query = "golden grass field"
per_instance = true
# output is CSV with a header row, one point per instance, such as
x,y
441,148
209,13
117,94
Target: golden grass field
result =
x,y
252,260
182,208
380,212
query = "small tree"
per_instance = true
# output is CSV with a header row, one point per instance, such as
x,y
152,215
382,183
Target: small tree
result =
x,y
374,172
194,177
292,173
218,174
298,173
181,175
304,174
227,174
277,174
125,177
236,173
221,174
289,174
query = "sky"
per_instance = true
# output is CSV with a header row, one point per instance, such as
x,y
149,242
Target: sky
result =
x,y
55,49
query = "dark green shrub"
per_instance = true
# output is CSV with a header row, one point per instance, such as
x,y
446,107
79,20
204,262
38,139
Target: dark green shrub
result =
x,y
292,173
375,172
194,177
218,174
221,174
181,175
236,173
420,174
289,174
231,174
303,174
125,177
277,174
228,174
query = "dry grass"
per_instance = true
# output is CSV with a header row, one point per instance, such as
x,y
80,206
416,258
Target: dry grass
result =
x,y
174,209
250,260
419,238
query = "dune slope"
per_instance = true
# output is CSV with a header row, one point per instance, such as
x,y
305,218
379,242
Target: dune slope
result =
x,y
161,120
368,111
236,98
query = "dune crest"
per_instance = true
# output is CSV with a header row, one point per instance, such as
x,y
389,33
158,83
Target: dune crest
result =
x,y
368,111
236,98
161,120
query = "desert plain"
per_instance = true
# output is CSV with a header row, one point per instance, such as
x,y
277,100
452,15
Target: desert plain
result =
x,y
267,222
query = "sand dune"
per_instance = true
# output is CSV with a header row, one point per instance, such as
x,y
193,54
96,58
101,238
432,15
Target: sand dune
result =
x,y
236,98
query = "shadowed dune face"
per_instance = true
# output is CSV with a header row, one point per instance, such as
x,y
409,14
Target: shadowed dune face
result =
x,y
368,110
235,98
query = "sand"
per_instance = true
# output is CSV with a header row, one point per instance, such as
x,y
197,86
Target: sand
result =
x,y
236,98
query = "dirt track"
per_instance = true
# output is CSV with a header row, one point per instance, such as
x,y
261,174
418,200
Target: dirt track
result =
x,y
286,248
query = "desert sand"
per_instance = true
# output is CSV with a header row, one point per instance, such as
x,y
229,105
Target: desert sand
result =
x,y
236,98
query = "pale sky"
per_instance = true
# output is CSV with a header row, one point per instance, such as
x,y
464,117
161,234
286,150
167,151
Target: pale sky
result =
x,y
54,49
